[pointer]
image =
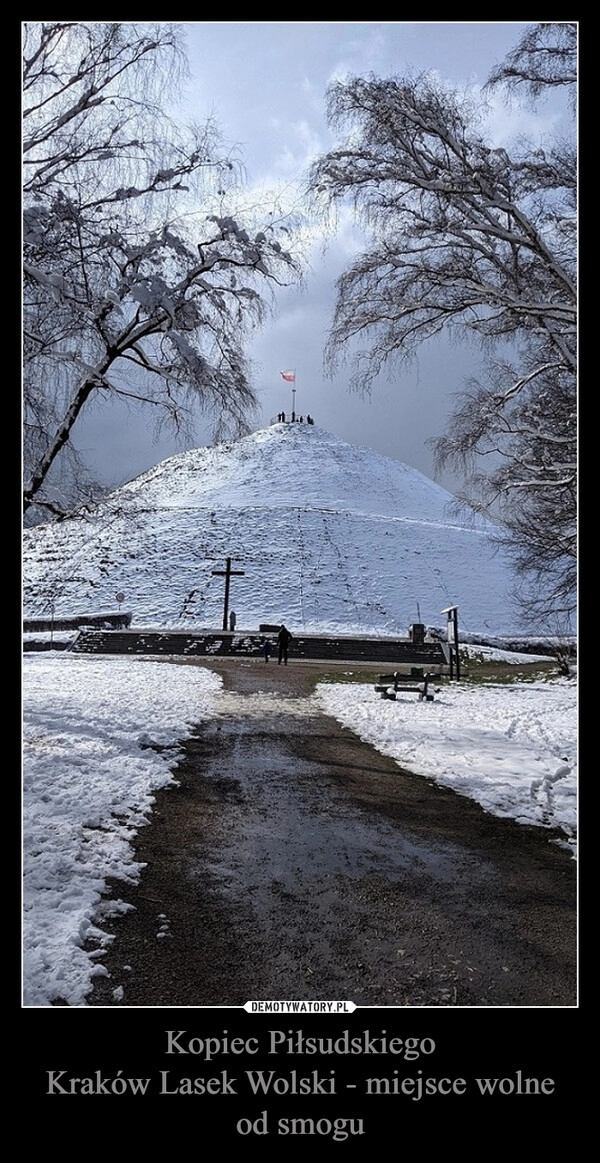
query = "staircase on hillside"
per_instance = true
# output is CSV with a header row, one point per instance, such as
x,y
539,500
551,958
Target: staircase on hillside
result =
x,y
402,653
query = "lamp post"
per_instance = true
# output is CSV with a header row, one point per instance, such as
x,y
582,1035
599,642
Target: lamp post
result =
x,y
452,635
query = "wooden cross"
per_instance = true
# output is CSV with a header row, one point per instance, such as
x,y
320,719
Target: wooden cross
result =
x,y
227,573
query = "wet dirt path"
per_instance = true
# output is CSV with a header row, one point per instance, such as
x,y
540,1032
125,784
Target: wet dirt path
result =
x,y
294,861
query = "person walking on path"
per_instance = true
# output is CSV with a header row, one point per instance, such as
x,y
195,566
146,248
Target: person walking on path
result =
x,y
267,648
284,638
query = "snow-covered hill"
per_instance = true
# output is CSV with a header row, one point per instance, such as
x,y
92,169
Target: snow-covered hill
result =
x,y
331,538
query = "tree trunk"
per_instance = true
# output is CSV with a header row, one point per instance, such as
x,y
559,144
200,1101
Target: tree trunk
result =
x,y
61,438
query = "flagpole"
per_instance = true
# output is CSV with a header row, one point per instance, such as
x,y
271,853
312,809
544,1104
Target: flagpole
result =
x,y
290,377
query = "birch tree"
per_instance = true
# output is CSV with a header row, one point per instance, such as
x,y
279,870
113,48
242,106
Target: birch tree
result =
x,y
467,239
140,278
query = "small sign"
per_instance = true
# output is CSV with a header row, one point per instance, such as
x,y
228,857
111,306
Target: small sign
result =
x,y
119,597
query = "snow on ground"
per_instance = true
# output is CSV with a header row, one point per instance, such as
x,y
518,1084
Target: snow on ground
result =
x,y
90,772
89,777
330,539
512,748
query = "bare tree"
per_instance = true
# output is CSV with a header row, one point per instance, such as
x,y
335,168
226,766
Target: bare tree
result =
x,y
545,58
467,240
140,279
525,440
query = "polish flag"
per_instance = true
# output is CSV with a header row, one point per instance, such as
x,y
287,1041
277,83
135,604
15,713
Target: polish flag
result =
x,y
289,377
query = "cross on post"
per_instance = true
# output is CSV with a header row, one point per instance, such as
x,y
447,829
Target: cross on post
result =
x,y
227,573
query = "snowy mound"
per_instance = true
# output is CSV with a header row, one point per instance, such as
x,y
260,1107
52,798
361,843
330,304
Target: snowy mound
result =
x,y
292,464
330,538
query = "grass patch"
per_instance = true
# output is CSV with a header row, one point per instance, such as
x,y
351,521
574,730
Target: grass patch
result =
x,y
362,676
471,671
507,672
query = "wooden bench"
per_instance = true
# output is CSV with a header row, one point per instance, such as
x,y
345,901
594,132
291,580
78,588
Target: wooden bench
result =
x,y
388,685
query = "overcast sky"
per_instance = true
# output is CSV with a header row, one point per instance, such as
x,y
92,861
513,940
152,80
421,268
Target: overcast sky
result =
x,y
265,84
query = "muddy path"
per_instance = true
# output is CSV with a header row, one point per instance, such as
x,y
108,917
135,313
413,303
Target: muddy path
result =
x,y
293,861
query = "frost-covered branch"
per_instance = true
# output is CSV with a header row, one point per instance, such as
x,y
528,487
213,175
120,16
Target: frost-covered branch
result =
x,y
131,263
472,241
